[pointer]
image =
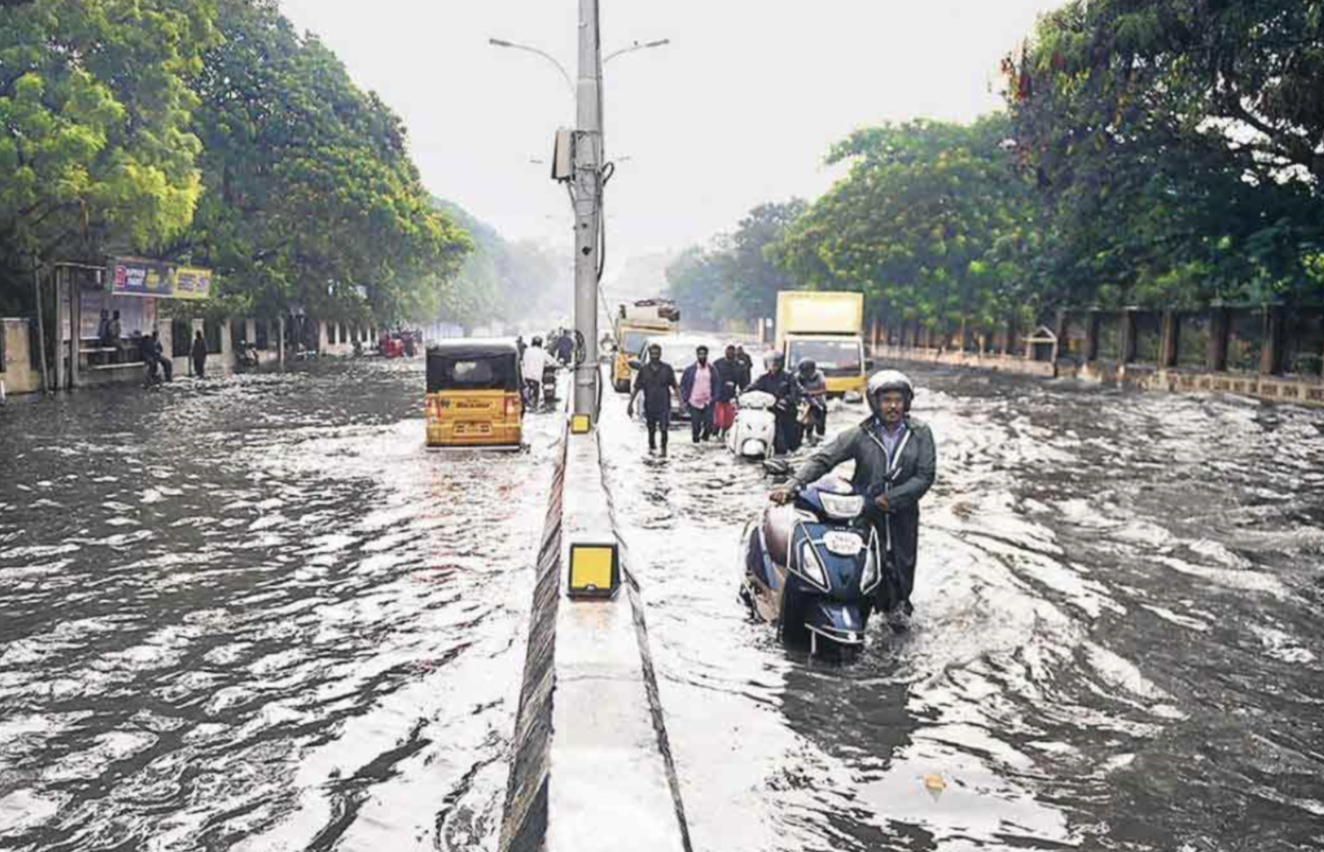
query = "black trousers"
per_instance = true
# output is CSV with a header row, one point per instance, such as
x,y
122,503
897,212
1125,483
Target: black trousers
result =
x,y
701,423
199,366
658,421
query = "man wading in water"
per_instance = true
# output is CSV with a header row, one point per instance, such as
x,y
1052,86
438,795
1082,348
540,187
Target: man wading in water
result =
x,y
895,465
656,381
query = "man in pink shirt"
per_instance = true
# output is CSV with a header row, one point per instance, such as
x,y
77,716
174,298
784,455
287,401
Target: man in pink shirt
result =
x,y
698,388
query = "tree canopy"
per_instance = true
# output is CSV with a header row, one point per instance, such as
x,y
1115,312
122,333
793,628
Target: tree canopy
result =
x,y
1177,144
734,278
209,132
96,145
312,199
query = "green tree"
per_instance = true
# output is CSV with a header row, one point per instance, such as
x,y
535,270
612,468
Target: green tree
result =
x,y
95,141
1177,145
500,279
736,278
933,223
311,197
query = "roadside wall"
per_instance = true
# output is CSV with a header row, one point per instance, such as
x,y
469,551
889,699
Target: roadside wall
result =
x,y
1269,352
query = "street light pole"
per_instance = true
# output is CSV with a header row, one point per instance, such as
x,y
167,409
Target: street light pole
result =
x,y
588,178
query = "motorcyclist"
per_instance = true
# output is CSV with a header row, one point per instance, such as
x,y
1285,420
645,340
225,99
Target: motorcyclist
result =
x,y
895,465
813,388
532,365
783,387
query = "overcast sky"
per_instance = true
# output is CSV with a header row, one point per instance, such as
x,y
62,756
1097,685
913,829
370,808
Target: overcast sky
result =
x,y
739,109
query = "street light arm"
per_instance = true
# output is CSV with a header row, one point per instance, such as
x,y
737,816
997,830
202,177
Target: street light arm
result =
x,y
496,42
635,47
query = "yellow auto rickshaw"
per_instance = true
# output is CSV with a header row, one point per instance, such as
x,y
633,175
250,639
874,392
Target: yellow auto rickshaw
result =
x,y
475,395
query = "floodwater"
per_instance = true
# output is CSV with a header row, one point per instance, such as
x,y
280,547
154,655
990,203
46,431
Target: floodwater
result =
x,y
256,615
1117,643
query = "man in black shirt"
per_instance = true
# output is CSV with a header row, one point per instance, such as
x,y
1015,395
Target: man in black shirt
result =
x,y
656,381
782,386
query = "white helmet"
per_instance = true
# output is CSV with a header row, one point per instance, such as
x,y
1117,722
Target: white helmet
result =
x,y
890,380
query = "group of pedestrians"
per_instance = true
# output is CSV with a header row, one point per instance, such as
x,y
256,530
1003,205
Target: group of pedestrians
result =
x,y
708,392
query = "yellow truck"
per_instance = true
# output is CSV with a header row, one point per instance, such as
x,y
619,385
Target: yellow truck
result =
x,y
635,324
828,329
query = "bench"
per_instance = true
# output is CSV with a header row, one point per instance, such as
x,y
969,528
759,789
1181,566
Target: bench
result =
x,y
93,350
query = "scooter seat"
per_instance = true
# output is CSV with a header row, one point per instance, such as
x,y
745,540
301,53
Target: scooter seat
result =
x,y
778,525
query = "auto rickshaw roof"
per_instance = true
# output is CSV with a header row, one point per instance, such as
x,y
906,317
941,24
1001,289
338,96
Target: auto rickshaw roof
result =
x,y
470,348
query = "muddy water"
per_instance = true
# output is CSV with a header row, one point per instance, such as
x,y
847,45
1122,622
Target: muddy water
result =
x,y
256,615
1117,643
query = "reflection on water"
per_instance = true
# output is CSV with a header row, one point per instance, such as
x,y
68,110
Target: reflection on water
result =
x,y
1117,644
256,614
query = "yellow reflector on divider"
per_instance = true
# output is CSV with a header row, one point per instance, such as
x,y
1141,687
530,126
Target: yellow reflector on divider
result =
x,y
595,570
581,424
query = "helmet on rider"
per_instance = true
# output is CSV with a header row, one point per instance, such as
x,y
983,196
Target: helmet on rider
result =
x,y
885,381
537,341
808,368
773,361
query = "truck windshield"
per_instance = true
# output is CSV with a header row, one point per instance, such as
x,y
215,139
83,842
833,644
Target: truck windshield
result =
x,y
634,341
833,357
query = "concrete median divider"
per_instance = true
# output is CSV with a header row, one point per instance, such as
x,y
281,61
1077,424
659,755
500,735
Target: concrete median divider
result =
x,y
592,767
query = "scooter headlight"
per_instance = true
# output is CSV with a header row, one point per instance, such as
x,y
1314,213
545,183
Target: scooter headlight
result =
x,y
812,566
842,506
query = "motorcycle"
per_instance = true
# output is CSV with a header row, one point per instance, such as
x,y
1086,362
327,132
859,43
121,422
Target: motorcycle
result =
x,y
812,568
549,386
753,434
246,359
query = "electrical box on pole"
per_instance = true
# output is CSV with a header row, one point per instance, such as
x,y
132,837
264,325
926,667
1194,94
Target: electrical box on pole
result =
x,y
563,156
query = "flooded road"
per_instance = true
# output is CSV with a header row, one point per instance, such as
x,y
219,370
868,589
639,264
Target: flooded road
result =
x,y
1117,643
257,615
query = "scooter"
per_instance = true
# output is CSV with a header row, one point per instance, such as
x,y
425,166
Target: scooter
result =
x,y
753,434
812,568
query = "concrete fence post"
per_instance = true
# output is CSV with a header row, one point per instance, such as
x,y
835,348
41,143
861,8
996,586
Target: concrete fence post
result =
x,y
1271,355
1219,328
227,348
1130,328
1092,336
1168,341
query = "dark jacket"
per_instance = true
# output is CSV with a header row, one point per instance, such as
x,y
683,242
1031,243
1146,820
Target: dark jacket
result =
x,y
784,387
687,382
746,371
817,385
655,381
199,351
911,476
731,372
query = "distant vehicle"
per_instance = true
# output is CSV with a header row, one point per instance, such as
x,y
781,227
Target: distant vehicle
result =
x,y
475,395
635,324
391,346
678,351
827,328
